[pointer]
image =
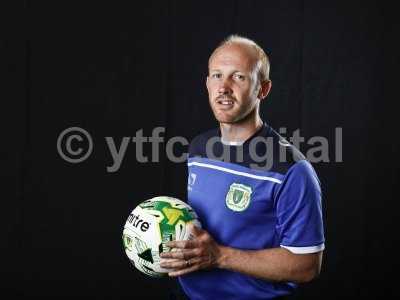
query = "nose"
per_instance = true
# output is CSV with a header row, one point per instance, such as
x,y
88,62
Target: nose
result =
x,y
224,88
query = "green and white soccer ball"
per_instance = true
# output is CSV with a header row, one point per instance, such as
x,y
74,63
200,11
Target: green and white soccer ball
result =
x,y
150,225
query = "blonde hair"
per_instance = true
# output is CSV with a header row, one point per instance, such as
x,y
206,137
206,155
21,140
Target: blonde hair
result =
x,y
263,65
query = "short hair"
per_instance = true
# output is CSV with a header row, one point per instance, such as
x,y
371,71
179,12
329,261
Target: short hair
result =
x,y
263,65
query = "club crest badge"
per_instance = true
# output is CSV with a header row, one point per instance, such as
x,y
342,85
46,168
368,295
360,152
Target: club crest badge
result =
x,y
238,197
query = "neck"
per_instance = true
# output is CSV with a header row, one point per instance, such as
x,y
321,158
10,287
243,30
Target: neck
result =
x,y
239,132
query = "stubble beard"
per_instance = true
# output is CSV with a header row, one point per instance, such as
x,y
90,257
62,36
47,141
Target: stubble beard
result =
x,y
239,116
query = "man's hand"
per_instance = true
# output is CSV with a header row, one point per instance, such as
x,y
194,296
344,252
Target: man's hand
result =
x,y
274,264
201,252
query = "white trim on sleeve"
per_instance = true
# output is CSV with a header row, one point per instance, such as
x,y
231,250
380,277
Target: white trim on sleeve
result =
x,y
305,250
210,166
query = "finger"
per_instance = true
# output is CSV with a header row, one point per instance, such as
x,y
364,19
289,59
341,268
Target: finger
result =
x,y
195,230
181,244
175,264
173,254
180,263
181,254
168,263
183,271
185,267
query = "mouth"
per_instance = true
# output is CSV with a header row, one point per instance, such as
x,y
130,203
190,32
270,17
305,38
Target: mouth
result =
x,y
225,102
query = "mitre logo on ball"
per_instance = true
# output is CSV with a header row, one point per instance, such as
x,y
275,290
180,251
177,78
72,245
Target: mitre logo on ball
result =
x,y
151,224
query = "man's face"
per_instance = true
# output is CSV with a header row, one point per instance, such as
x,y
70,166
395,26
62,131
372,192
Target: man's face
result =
x,y
232,83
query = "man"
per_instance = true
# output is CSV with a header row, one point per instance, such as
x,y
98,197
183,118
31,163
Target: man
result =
x,y
262,230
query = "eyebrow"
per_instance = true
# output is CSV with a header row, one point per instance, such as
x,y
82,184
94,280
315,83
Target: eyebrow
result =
x,y
218,70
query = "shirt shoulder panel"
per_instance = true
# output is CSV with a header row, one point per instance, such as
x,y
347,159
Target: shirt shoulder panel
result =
x,y
266,150
197,146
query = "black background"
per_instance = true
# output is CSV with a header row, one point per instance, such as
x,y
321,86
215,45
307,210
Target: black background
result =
x,y
118,67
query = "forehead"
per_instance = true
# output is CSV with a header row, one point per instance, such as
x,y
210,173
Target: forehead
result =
x,y
238,56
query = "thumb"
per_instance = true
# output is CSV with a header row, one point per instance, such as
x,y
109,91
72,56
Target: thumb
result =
x,y
193,229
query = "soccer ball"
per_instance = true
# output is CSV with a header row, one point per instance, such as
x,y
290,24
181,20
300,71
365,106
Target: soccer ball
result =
x,y
150,225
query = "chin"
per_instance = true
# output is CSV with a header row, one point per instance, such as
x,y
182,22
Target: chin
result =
x,y
231,118
228,120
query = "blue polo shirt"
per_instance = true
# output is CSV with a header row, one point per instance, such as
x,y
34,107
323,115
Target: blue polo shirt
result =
x,y
258,195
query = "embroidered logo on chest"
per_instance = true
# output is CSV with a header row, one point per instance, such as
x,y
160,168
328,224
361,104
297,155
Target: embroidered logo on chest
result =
x,y
238,197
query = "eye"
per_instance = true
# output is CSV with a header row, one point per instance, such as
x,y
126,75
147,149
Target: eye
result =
x,y
216,75
240,77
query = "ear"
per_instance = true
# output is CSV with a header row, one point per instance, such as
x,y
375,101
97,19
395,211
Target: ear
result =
x,y
207,82
264,89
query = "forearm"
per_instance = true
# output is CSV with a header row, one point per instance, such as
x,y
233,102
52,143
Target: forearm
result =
x,y
276,264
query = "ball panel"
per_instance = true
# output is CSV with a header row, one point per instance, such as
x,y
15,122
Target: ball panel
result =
x,y
150,226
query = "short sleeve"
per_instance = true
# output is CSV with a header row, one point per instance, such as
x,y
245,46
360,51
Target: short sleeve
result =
x,y
299,210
